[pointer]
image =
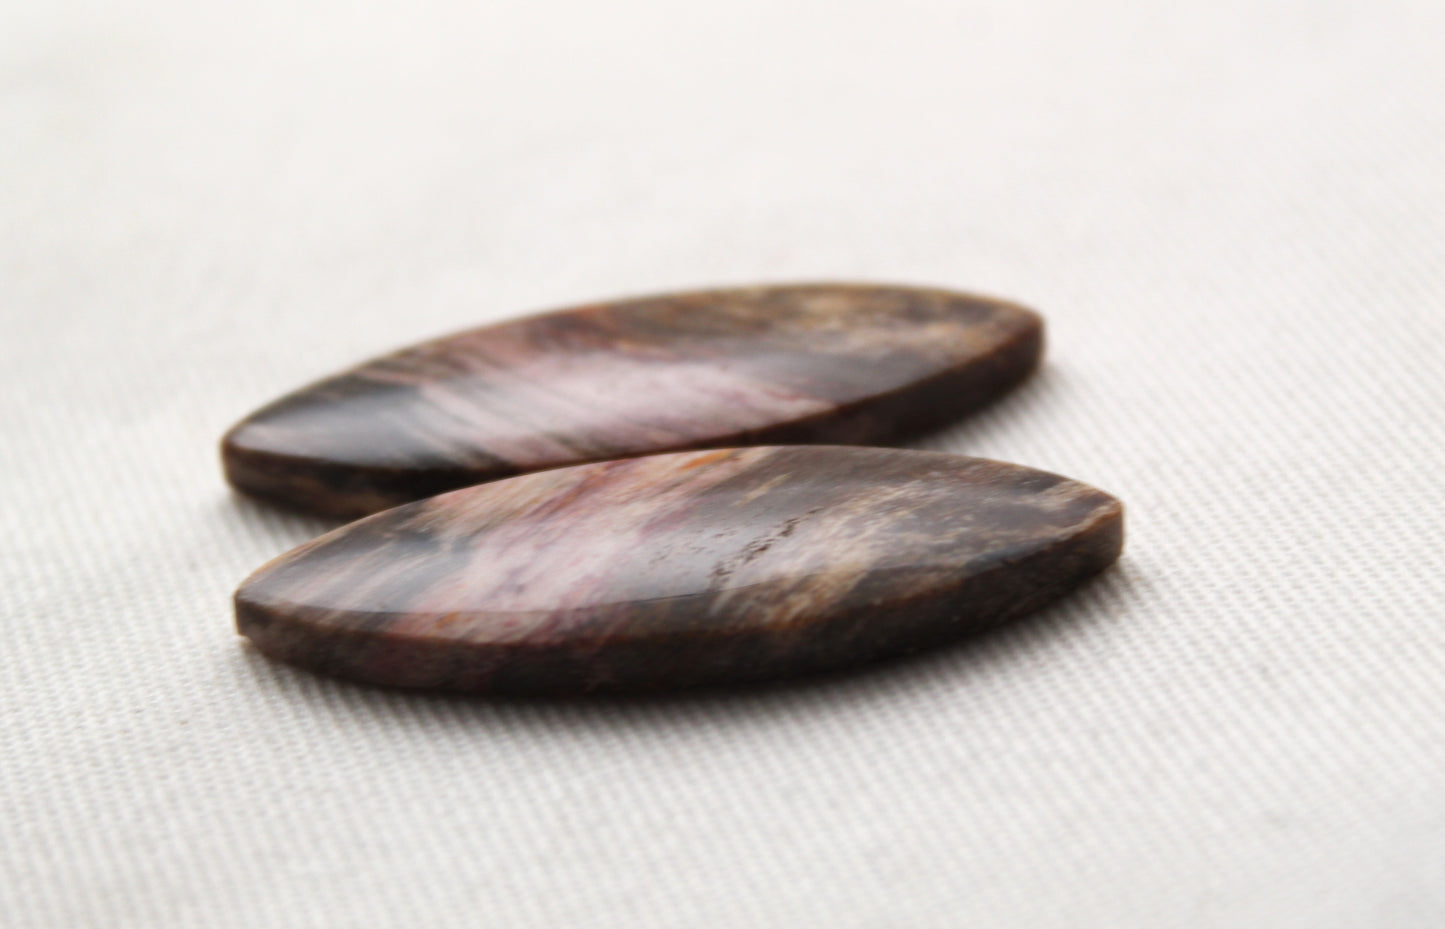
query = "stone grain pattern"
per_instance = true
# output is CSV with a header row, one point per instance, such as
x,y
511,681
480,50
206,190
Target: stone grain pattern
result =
x,y
678,570
825,363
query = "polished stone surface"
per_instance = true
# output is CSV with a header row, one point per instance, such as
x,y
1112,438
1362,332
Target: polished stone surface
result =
x,y
775,365
677,570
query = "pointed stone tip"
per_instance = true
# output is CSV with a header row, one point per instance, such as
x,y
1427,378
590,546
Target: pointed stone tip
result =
x,y
240,442
255,468
240,456
258,463
1030,338
1111,529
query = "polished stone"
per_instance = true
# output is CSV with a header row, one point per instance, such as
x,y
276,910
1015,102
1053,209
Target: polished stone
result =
x,y
772,365
677,570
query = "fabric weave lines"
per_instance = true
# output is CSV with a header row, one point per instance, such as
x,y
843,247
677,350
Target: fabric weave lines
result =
x,y
1231,215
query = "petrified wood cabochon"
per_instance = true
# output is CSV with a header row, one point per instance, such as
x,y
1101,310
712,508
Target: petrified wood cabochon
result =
x,y
771,365
682,569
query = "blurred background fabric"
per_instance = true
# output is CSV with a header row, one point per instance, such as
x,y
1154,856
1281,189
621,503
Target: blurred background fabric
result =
x,y
1232,215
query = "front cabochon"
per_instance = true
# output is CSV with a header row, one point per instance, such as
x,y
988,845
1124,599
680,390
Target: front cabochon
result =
x,y
680,570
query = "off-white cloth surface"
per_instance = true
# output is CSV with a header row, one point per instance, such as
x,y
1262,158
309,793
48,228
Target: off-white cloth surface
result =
x,y
1232,215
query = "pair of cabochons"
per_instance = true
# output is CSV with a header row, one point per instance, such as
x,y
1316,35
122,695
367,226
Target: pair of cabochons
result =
x,y
660,493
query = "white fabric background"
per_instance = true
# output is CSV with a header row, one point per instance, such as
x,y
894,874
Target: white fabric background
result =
x,y
1231,213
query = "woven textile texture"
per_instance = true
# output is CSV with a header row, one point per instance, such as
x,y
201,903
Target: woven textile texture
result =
x,y
1231,213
